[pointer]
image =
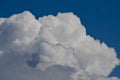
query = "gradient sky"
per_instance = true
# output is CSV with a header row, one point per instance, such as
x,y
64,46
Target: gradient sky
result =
x,y
100,17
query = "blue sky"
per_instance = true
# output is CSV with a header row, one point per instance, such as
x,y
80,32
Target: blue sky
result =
x,y
100,17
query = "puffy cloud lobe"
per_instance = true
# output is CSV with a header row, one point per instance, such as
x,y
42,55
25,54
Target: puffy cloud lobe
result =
x,y
52,48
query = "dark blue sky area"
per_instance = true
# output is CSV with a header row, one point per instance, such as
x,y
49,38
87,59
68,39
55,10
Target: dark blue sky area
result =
x,y
100,17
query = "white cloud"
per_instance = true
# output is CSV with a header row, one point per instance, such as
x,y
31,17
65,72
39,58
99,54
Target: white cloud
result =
x,y
52,48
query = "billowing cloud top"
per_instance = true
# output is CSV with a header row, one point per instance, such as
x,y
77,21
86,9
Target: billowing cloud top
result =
x,y
52,48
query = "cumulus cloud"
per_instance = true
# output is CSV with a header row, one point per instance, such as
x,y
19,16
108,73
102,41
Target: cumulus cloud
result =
x,y
52,48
